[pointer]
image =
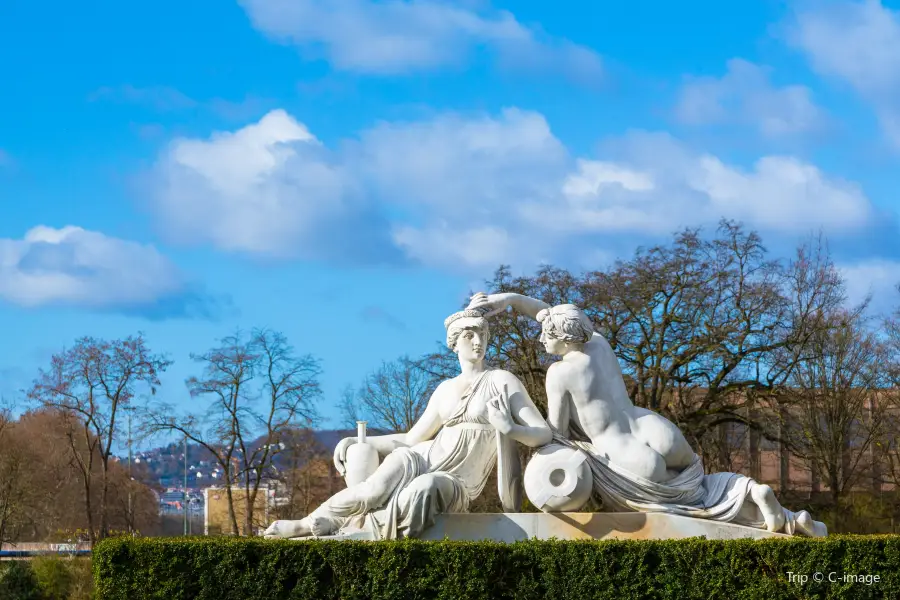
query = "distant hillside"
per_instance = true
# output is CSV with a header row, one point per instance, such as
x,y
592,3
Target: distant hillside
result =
x,y
165,465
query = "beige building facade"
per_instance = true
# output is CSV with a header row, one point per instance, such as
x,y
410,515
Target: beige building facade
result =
x,y
216,515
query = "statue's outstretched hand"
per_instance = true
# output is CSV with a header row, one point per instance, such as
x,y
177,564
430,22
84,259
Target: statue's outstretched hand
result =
x,y
498,412
340,454
493,303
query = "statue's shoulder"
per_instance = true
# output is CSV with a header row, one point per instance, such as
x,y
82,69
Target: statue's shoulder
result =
x,y
446,383
557,373
558,368
499,376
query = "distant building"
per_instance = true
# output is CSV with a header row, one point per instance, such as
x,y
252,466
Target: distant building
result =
x,y
216,519
172,501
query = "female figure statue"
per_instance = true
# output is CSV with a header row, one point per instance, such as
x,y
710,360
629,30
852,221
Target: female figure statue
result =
x,y
470,424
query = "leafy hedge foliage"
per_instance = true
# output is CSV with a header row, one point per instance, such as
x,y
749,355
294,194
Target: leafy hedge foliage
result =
x,y
18,582
46,578
257,569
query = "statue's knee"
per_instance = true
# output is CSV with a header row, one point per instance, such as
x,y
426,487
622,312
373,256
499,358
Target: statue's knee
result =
x,y
372,496
764,496
423,483
763,491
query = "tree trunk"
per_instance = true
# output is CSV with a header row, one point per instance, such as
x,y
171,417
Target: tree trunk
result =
x,y
722,454
835,493
784,457
753,446
88,509
235,530
104,495
248,520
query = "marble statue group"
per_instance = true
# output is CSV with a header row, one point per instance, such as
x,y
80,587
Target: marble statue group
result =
x,y
594,441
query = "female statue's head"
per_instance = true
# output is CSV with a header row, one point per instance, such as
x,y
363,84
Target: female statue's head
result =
x,y
468,334
564,328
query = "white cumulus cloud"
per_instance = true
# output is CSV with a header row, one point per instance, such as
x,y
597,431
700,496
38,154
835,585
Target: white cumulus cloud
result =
x,y
72,266
266,189
656,184
481,245
470,190
403,36
463,161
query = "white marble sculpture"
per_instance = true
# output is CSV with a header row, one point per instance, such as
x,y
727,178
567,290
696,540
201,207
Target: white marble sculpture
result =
x,y
471,423
638,460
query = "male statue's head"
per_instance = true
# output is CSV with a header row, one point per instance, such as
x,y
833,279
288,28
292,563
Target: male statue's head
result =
x,y
468,334
564,328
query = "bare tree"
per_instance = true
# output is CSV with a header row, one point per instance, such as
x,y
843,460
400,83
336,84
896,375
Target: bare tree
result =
x,y
258,391
15,482
393,397
837,402
306,475
886,450
706,328
55,481
349,407
90,383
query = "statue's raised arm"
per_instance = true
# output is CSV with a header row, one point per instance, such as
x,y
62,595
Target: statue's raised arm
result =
x,y
497,303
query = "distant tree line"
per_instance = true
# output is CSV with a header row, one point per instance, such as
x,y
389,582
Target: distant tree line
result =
x,y
736,347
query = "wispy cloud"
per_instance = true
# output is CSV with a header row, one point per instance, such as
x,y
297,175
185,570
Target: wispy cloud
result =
x,y
403,36
165,99
877,278
744,95
6,160
377,314
160,98
12,381
855,42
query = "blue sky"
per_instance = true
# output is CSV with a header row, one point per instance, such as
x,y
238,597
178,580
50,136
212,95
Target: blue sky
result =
x,y
345,171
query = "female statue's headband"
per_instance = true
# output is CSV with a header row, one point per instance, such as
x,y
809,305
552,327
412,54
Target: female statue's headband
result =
x,y
471,313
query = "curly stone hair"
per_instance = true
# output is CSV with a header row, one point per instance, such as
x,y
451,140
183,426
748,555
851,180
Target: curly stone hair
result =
x,y
566,322
453,332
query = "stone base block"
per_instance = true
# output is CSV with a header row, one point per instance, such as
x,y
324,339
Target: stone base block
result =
x,y
511,527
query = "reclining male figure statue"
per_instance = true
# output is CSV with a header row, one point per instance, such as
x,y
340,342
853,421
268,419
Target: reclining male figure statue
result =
x,y
471,423
640,460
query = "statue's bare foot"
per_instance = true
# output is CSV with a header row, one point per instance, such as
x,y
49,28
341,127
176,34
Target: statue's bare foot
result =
x,y
771,509
807,526
288,529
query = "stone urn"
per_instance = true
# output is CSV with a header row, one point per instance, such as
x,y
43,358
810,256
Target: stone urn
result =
x,y
362,458
558,479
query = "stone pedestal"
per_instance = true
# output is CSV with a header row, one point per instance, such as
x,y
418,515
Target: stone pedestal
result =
x,y
511,527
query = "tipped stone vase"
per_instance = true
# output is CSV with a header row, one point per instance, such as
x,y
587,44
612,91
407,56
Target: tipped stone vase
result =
x,y
362,458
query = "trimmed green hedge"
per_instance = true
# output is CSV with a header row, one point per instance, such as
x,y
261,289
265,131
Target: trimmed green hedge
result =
x,y
257,569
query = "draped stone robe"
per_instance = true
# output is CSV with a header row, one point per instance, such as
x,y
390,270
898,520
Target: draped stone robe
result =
x,y
719,496
691,493
445,474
